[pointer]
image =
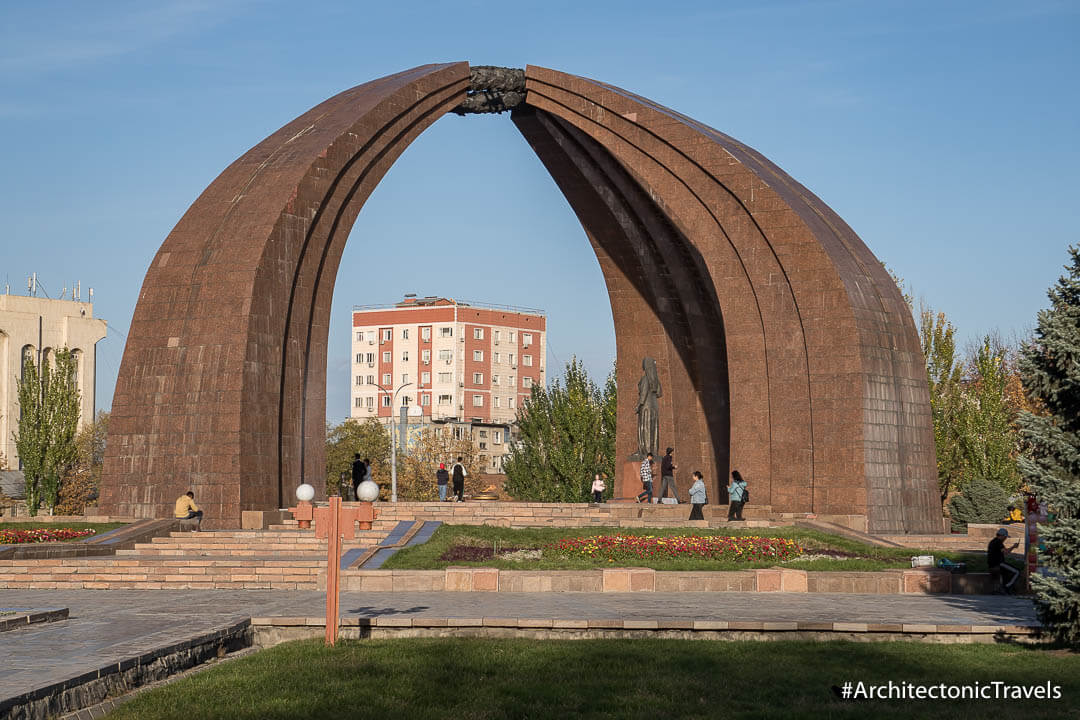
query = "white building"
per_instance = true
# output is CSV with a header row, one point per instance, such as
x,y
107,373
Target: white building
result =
x,y
449,362
37,327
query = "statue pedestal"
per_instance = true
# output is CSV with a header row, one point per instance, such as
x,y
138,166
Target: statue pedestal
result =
x,y
628,482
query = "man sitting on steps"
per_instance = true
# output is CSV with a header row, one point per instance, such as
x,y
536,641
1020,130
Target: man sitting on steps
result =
x,y
186,509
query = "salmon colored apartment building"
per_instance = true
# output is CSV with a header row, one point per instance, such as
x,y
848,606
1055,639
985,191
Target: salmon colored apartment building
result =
x,y
448,362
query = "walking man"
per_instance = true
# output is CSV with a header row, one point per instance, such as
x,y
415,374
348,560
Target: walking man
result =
x,y
459,475
646,480
667,475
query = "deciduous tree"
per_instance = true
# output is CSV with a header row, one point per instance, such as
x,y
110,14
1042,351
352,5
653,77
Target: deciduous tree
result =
x,y
48,420
566,435
369,438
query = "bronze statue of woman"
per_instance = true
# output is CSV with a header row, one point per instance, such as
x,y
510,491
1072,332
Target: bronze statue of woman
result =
x,y
648,410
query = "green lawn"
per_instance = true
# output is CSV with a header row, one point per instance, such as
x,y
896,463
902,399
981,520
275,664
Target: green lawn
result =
x,y
485,678
427,556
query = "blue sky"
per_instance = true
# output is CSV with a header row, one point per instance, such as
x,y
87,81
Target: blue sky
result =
x,y
946,134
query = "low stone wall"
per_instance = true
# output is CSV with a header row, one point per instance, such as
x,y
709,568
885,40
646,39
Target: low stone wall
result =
x,y
480,579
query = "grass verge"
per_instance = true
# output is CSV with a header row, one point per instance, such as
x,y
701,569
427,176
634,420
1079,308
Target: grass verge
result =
x,y
870,557
98,528
488,679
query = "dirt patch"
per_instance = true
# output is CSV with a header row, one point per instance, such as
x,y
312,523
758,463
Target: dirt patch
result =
x,y
472,553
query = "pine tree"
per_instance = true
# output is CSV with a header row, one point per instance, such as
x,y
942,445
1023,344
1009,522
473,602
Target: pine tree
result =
x,y
566,435
1050,367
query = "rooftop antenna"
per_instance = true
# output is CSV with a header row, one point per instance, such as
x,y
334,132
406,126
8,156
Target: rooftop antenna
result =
x,y
78,290
63,292
31,285
91,294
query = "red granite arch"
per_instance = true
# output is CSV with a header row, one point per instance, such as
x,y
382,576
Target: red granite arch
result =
x,y
784,347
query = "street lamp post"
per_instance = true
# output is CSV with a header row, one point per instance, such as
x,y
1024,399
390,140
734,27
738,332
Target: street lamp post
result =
x,y
393,436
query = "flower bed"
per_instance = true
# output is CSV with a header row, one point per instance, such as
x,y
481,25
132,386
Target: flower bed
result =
x,y
615,548
41,535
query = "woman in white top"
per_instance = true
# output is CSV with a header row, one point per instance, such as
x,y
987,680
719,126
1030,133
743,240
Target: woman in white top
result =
x,y
697,496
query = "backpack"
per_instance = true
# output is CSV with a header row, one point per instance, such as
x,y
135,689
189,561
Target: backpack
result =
x,y
745,495
459,473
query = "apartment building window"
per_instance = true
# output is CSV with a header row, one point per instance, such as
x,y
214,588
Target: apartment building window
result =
x,y
359,402
371,357
478,378
446,377
386,356
496,437
494,379
386,380
370,379
370,402
510,358
526,382
478,355
405,334
387,335
371,336
404,378
511,336
483,446
526,339
495,401
447,355
446,332
425,333
359,357
405,356
483,433
405,400
478,400
498,357
386,401
495,334
425,378
526,360
446,399
510,380
425,400
359,335
478,333
458,434
425,356
359,379
510,402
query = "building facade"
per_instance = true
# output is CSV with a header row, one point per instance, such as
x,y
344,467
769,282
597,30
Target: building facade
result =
x,y
37,327
466,365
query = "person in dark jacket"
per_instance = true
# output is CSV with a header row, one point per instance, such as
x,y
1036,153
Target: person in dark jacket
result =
x,y
359,471
442,477
667,475
995,561
458,476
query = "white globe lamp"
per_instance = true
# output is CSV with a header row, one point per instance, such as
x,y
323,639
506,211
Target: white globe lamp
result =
x,y
305,493
367,491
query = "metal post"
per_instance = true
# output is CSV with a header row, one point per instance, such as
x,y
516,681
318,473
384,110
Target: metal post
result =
x,y
393,458
333,567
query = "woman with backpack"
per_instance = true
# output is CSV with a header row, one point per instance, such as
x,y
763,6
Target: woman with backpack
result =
x,y
738,496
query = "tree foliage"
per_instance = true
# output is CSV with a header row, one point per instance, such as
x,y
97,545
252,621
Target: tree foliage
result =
x,y
567,434
48,420
1050,366
983,501
944,375
417,464
80,485
370,438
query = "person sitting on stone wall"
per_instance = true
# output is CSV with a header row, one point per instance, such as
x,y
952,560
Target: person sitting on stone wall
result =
x,y
186,509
